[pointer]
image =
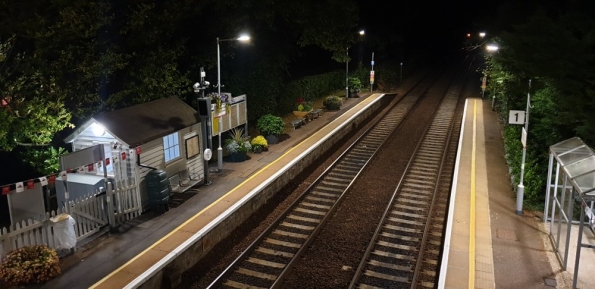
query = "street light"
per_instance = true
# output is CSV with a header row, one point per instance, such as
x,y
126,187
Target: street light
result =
x,y
521,188
361,33
492,47
219,149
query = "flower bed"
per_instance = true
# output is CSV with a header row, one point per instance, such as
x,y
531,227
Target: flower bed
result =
x,y
31,264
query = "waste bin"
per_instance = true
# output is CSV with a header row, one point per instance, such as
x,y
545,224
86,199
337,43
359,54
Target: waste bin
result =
x,y
158,190
64,234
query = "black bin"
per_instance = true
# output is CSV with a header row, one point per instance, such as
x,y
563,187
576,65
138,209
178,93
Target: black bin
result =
x,y
158,190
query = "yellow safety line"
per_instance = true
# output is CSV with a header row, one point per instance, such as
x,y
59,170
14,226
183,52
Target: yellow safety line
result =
x,y
472,203
209,206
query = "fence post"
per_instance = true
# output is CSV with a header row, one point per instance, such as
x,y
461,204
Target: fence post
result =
x,y
111,215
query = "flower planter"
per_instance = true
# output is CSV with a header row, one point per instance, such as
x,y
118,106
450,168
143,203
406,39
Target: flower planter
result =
x,y
237,157
258,150
354,93
272,139
301,114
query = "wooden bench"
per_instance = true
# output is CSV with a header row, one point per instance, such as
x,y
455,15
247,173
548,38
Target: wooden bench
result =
x,y
298,123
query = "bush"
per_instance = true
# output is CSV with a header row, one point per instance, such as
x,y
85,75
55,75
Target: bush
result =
x,y
269,124
355,84
30,264
332,102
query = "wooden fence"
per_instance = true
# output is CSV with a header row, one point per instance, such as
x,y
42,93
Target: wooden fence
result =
x,y
89,213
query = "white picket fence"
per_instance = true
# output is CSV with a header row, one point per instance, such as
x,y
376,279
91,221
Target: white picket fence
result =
x,y
89,213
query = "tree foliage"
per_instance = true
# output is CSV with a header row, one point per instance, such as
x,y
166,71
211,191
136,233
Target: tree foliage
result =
x,y
555,52
63,60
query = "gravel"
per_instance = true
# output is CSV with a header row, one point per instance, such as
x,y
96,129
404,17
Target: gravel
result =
x,y
333,257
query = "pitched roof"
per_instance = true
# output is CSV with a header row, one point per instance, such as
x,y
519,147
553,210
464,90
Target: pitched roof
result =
x,y
141,123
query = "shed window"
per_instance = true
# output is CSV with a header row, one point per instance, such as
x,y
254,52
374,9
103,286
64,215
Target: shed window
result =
x,y
171,147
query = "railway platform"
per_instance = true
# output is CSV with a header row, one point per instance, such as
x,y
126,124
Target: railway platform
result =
x,y
114,260
487,244
503,250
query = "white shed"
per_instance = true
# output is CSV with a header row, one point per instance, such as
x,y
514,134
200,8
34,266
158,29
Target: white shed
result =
x,y
162,134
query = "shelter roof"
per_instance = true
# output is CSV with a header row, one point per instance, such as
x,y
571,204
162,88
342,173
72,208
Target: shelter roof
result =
x,y
141,123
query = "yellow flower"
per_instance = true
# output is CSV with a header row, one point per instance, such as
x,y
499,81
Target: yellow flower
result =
x,y
259,141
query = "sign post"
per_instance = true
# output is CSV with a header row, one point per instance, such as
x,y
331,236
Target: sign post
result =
x,y
372,74
483,85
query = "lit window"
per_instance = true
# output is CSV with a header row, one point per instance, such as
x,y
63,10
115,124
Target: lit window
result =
x,y
171,147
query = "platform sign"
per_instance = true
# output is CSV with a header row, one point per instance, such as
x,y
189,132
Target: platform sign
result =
x,y
371,76
484,82
524,138
516,117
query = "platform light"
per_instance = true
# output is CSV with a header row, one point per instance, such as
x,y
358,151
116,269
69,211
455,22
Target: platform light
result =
x,y
492,47
361,33
242,38
97,129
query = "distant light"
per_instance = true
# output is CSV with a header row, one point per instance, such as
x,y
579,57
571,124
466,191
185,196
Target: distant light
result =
x,y
492,47
362,32
243,38
468,35
482,34
98,129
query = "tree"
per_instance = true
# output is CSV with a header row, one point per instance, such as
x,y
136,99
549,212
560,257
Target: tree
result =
x,y
32,110
555,51
64,60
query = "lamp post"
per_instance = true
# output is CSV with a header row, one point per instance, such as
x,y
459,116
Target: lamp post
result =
x,y
220,149
347,74
361,32
521,187
490,48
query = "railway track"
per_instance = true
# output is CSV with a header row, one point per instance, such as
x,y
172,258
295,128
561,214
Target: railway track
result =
x,y
273,253
406,246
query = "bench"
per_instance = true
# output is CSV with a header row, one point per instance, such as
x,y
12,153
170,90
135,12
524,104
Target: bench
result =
x,y
182,181
298,123
316,113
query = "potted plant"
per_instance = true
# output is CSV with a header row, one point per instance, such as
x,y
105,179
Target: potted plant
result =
x,y
238,145
271,126
355,86
30,264
332,102
259,143
302,108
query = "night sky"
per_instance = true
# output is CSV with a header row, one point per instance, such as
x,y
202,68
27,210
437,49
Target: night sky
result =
x,y
422,27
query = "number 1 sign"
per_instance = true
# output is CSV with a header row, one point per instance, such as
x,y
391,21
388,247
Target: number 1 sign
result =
x,y
516,117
